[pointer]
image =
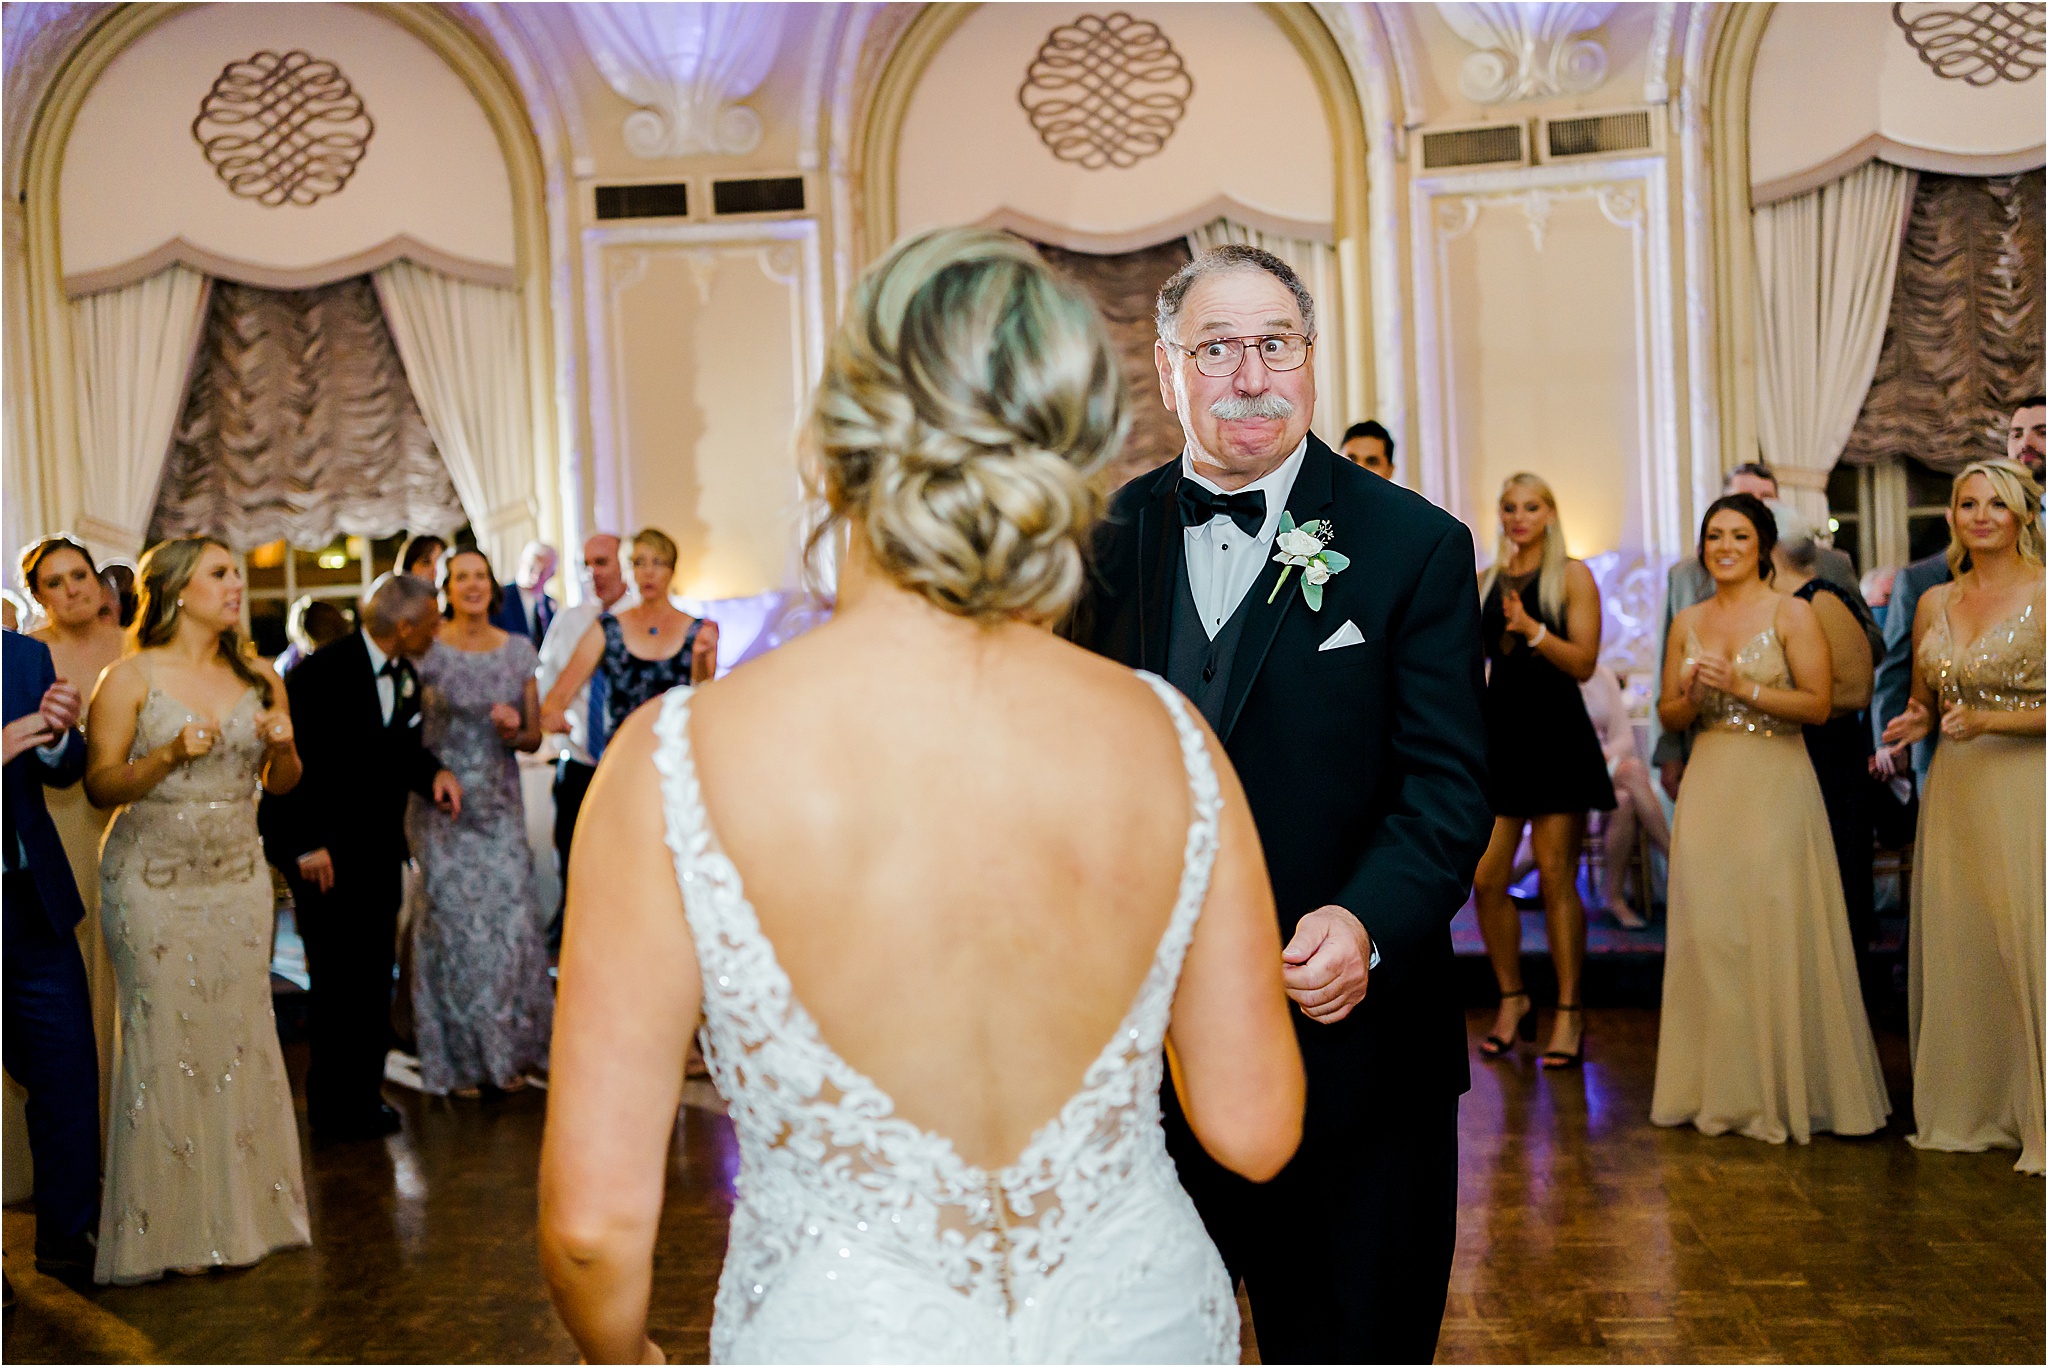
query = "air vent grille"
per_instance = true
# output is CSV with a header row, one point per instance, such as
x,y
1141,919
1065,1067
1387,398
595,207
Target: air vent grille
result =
x,y
644,201
1599,134
1491,145
764,195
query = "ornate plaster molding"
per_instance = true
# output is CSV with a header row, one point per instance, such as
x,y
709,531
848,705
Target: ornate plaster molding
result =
x,y
1528,51
688,66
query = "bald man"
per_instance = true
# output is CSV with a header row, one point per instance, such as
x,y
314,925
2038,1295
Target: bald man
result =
x,y
577,753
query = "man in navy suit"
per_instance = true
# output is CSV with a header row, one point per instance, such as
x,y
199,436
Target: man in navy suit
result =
x,y
48,1016
527,610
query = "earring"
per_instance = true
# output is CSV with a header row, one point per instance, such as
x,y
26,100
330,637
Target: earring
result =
x,y
181,602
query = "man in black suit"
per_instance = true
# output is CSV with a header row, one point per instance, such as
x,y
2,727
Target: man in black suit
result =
x,y
1349,703
339,839
48,1017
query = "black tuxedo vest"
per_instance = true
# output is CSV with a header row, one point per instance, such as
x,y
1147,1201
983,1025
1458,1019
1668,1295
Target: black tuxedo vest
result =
x,y
1195,664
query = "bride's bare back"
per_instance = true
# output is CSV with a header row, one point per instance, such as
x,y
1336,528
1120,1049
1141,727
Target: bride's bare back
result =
x,y
964,852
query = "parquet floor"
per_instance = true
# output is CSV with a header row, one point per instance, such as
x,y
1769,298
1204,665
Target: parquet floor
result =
x,y
1586,1235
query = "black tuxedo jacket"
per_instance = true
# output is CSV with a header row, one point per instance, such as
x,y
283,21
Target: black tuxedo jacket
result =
x,y
1364,766
357,771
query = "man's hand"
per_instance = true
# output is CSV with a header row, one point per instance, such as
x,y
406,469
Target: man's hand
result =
x,y
26,733
60,707
1668,774
448,793
1325,965
317,868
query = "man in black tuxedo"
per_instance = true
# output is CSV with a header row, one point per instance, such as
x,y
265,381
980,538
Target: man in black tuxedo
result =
x,y
339,839
48,1017
1355,727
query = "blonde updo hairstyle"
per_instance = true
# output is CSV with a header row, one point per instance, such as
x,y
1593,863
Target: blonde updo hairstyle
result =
x,y
968,398
2013,485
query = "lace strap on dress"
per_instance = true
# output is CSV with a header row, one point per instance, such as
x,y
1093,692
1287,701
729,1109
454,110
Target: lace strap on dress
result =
x,y
701,870
1198,856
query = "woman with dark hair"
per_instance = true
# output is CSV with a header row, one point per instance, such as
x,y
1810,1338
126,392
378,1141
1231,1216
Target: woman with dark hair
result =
x,y
1763,1029
481,1000
1974,977
203,1151
60,575
1540,612
643,652
420,556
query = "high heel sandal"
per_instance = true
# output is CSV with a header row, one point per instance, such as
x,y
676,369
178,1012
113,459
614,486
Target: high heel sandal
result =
x,y
1559,1058
1493,1046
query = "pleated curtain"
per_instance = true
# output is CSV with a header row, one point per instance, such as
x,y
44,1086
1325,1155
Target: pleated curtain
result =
x,y
131,351
1316,264
1826,263
462,345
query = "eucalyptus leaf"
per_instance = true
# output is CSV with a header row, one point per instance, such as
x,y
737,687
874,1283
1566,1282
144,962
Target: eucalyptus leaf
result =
x,y
1337,561
1312,594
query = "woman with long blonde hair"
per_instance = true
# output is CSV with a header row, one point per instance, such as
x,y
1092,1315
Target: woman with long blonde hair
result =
x,y
203,1153
1540,612
1975,985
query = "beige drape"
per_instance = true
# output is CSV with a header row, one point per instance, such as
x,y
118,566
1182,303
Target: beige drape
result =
x,y
463,346
1826,261
132,350
1316,264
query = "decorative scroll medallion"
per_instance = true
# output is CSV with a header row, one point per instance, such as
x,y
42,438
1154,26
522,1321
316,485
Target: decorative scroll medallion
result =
x,y
1106,90
1977,44
283,128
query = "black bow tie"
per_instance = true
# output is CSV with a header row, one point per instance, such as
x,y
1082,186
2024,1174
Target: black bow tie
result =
x,y
1198,506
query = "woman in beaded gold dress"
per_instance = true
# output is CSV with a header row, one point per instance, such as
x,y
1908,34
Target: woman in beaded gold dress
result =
x,y
203,1148
1763,1030
1975,983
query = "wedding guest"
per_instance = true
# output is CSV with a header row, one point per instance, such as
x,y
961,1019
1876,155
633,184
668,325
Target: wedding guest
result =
x,y
203,1154
582,741
1688,584
1974,968
1087,872
524,607
1370,446
2024,443
481,997
339,840
1763,1030
119,578
643,651
48,1026
1540,620
60,575
1636,807
1840,748
311,624
420,556
1876,588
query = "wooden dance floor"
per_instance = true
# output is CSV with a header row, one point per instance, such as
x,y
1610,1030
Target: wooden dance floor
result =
x,y
1585,1235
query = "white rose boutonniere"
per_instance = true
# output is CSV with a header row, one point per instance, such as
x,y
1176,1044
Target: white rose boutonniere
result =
x,y
1309,547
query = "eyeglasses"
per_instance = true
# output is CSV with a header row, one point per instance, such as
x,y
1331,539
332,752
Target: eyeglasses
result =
x,y
1217,357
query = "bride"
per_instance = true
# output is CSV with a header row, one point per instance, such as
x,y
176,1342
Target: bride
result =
x,y
944,888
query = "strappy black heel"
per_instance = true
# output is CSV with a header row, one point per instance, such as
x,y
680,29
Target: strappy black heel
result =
x,y
1493,1046
1559,1058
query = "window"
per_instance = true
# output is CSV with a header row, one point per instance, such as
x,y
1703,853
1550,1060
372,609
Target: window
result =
x,y
277,575
1849,519
1926,510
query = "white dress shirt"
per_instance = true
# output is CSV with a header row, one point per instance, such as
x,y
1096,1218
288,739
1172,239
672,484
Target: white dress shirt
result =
x,y
387,687
1223,563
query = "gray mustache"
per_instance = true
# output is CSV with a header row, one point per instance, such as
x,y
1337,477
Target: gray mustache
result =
x,y
1239,407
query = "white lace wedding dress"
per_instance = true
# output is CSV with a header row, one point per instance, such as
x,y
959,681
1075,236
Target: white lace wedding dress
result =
x,y
859,1237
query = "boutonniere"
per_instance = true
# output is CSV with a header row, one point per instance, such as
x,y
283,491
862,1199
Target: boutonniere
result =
x,y
1309,547
405,683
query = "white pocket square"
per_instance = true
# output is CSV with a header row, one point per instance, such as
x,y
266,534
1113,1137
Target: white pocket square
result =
x,y
1346,635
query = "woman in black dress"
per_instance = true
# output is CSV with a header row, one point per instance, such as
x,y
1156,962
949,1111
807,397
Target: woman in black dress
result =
x,y
641,653
1540,612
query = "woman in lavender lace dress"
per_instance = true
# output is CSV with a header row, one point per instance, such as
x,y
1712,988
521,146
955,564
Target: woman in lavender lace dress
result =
x,y
483,1006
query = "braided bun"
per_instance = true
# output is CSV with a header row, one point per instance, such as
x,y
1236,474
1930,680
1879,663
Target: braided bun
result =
x,y
967,399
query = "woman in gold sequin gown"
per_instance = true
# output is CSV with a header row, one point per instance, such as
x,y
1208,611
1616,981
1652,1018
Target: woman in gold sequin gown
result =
x,y
1763,1030
1975,982
203,1148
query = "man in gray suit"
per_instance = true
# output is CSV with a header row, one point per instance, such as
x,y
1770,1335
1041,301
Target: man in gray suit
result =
x,y
1690,583
2026,440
